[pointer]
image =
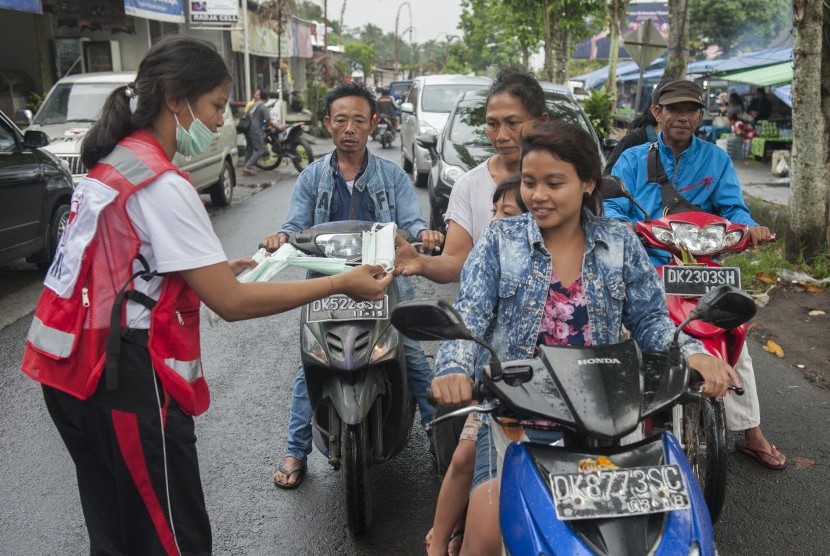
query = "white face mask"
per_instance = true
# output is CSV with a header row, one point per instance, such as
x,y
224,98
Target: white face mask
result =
x,y
195,140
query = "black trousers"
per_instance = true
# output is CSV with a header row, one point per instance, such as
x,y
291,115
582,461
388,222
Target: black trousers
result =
x,y
135,458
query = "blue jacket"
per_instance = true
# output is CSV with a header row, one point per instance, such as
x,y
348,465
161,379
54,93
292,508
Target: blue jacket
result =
x,y
390,189
505,283
703,174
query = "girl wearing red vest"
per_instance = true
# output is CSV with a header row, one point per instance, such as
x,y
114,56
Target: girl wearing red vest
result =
x,y
122,299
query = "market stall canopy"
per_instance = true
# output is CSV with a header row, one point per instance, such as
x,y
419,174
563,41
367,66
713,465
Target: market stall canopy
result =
x,y
784,92
767,75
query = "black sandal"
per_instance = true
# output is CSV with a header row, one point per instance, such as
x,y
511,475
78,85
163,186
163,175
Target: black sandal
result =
x,y
300,470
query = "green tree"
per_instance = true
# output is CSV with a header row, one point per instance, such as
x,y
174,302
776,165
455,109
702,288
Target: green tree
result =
x,y
308,11
361,56
732,24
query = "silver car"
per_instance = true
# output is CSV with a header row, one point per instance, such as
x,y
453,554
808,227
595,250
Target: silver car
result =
x,y
425,110
73,105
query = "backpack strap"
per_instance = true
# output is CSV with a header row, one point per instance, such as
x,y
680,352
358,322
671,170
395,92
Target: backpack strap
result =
x,y
673,201
116,331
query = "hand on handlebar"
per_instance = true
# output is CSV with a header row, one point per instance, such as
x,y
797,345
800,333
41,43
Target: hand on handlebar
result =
x,y
455,390
430,239
717,374
760,234
274,241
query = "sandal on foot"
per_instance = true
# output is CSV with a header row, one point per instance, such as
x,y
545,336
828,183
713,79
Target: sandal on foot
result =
x,y
763,457
300,470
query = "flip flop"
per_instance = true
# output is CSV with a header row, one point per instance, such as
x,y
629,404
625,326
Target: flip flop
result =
x,y
300,470
759,455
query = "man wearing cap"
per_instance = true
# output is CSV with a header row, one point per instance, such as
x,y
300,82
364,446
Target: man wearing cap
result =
x,y
704,175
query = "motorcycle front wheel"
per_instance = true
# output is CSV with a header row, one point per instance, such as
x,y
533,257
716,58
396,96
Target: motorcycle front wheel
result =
x,y
704,439
355,458
270,159
302,154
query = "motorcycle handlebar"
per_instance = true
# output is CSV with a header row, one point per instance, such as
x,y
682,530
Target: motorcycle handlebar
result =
x,y
696,384
479,392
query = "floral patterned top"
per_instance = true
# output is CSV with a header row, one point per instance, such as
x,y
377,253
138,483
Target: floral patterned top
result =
x,y
565,317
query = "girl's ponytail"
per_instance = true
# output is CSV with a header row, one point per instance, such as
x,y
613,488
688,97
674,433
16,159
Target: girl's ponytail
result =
x,y
113,124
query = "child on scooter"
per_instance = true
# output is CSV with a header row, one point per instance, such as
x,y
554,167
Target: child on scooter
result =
x,y
447,531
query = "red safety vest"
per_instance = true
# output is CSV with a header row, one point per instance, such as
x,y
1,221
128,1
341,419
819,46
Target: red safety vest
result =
x,y
92,274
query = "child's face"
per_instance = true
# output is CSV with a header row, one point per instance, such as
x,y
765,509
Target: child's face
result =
x,y
506,207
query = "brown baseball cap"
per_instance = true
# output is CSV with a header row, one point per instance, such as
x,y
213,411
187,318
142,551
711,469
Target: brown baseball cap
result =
x,y
681,91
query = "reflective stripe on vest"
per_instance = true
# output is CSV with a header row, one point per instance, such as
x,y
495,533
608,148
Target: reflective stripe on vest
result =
x,y
188,370
129,165
50,340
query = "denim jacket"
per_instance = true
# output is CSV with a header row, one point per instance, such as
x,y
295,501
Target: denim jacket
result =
x,y
505,283
390,190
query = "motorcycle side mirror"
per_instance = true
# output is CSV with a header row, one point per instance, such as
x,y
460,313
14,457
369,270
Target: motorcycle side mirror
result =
x,y
613,187
431,319
725,306
435,319
609,143
428,141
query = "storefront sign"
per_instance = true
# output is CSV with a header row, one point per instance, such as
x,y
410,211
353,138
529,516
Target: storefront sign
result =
x,y
33,6
214,12
159,10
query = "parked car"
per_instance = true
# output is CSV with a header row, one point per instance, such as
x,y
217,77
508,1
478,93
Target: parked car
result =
x,y
464,145
35,192
426,110
73,105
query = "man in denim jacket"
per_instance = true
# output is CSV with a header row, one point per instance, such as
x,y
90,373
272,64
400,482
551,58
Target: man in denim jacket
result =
x,y
704,175
351,184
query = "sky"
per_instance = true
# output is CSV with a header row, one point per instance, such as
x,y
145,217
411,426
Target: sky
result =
x,y
430,18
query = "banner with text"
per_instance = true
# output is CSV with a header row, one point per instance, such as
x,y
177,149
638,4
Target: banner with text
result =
x,y
215,13
160,10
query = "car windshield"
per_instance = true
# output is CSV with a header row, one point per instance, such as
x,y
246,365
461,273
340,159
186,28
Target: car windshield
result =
x,y
561,107
399,90
467,126
441,98
74,102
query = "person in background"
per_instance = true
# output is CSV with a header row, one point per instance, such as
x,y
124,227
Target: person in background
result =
x,y
387,107
255,135
136,259
447,531
735,106
530,281
351,184
642,130
760,106
743,129
514,103
705,176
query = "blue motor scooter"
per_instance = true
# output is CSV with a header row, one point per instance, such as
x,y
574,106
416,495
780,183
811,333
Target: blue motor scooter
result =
x,y
590,494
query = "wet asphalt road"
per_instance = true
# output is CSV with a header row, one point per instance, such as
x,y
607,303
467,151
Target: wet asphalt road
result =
x,y
250,368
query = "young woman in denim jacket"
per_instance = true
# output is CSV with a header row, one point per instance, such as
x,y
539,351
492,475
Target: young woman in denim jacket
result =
x,y
560,274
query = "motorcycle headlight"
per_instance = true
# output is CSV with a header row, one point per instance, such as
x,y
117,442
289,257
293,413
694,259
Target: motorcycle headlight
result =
x,y
702,241
450,173
312,347
385,345
341,246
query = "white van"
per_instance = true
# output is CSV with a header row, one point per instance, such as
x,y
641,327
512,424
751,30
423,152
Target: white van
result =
x,y
425,110
74,104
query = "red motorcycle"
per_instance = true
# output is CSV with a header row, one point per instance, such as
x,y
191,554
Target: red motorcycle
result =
x,y
695,239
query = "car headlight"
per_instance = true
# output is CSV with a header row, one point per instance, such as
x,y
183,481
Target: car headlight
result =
x,y
312,347
698,241
385,345
450,173
424,127
341,246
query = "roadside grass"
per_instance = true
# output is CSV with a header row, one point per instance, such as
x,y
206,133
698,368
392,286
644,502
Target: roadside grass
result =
x,y
767,261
